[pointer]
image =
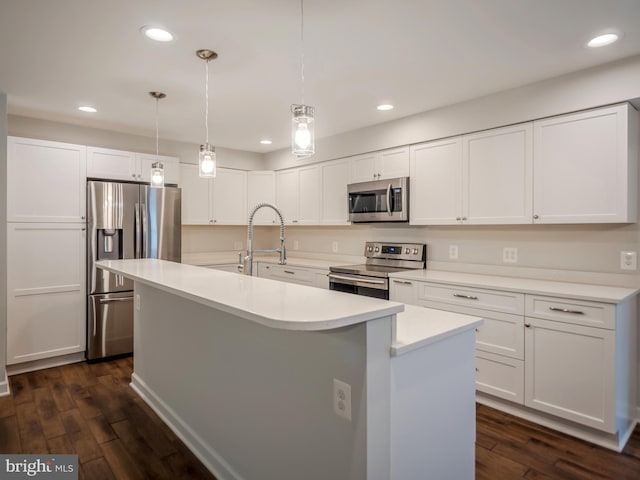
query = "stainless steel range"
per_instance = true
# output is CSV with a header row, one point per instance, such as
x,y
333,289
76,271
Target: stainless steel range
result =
x,y
372,278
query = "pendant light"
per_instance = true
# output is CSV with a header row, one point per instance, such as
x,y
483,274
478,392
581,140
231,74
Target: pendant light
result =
x,y
157,168
302,126
207,156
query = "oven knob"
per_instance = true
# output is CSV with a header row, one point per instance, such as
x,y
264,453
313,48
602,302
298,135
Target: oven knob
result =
x,y
415,251
370,248
377,249
407,251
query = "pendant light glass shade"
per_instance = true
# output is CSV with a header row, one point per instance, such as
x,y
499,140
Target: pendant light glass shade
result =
x,y
157,174
207,161
302,131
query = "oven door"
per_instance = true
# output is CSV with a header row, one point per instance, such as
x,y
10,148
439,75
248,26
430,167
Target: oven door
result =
x,y
360,285
379,201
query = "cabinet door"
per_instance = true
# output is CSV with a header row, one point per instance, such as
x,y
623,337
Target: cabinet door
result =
x,y
171,166
364,167
497,176
435,183
570,372
309,195
261,188
287,195
230,197
584,168
403,291
108,164
46,181
46,290
195,196
500,376
393,163
335,177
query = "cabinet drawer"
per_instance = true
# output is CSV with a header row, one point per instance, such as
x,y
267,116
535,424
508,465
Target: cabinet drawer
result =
x,y
579,312
289,274
494,300
500,376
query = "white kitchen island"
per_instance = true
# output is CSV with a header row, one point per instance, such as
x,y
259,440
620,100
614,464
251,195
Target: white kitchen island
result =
x,y
243,370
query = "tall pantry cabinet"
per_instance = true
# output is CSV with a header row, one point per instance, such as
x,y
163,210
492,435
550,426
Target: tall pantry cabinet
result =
x,y
46,243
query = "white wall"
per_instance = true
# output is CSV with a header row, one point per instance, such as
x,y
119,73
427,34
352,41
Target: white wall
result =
x,y
4,386
611,83
62,132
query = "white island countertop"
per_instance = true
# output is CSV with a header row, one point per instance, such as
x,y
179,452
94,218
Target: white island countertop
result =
x,y
271,303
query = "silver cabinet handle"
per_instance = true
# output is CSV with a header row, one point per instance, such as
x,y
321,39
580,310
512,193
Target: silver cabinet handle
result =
x,y
535,217
468,297
294,221
402,282
528,325
464,219
362,280
289,272
458,219
566,310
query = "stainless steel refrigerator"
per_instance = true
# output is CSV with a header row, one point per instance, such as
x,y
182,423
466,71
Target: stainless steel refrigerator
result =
x,y
124,220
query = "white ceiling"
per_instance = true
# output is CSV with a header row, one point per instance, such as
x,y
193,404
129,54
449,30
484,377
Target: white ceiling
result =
x,y
416,54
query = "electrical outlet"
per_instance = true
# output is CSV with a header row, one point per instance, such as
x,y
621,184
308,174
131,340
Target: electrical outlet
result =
x,y
334,247
510,255
453,252
342,399
137,302
237,245
629,260
296,245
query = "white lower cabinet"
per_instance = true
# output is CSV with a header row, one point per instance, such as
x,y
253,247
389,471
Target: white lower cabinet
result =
x,y
566,357
313,277
46,290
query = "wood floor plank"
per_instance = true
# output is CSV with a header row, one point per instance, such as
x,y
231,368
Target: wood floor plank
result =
x,y
20,389
123,466
61,395
61,445
97,469
159,442
31,435
101,429
9,435
492,466
48,413
7,407
184,465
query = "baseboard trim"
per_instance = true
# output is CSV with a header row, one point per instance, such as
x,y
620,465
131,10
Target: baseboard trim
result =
x,y
611,441
43,363
4,385
205,453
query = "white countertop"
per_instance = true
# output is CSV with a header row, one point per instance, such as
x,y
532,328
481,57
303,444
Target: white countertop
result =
x,y
418,327
583,291
317,261
268,302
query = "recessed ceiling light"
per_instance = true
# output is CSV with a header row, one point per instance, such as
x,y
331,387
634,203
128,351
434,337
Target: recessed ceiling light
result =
x,y
266,142
157,34
602,40
384,106
87,108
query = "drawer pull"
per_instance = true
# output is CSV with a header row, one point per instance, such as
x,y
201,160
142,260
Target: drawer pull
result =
x,y
402,282
528,325
566,310
289,272
468,297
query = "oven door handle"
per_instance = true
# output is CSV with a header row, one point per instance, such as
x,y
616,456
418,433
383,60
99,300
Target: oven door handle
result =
x,y
333,276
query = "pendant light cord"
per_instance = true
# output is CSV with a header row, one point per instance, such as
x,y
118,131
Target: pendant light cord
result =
x,y
157,132
302,48
206,96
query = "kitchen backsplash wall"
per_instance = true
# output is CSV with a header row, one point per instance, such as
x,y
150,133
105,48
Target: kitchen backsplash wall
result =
x,y
581,253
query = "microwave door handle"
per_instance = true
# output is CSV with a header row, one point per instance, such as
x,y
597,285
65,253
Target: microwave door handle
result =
x,y
389,199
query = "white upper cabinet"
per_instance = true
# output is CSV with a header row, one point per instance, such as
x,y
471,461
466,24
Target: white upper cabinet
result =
x,y
220,201
435,183
109,164
229,197
380,165
298,193
497,176
47,181
287,195
585,167
335,176
261,188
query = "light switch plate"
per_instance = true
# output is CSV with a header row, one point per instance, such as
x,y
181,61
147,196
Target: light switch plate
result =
x,y
453,252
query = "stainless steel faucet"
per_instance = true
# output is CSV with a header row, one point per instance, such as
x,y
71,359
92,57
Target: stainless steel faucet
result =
x,y
246,264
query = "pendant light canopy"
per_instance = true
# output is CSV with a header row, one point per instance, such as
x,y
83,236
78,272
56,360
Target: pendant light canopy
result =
x,y
302,127
157,168
207,155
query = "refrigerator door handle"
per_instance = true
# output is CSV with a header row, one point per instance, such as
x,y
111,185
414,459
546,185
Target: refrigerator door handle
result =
x,y
138,233
143,212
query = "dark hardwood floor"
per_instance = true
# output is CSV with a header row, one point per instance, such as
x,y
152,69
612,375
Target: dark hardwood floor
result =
x,y
90,410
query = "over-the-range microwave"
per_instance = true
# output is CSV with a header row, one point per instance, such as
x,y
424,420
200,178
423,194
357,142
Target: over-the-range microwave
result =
x,y
379,201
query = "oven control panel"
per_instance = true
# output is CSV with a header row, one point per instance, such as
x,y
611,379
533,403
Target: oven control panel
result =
x,y
396,251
